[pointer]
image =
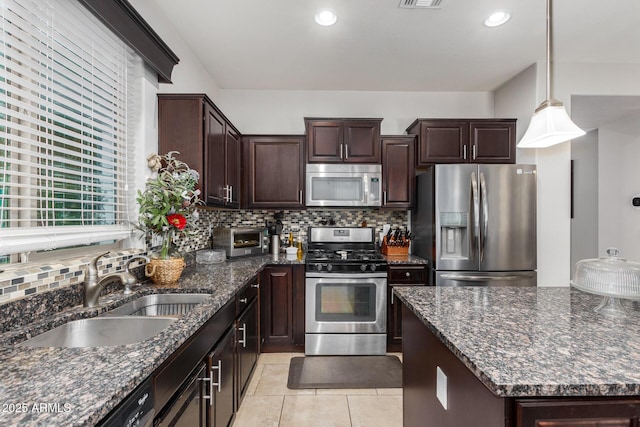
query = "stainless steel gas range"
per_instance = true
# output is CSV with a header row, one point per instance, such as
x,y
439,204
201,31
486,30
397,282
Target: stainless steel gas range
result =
x,y
345,293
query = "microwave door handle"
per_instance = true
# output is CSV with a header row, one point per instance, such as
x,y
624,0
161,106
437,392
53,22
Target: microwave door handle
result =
x,y
366,190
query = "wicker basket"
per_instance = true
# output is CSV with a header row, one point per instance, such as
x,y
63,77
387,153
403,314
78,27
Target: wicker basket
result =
x,y
164,271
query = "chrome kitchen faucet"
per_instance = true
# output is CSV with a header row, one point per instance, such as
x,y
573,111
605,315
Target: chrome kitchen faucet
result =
x,y
93,285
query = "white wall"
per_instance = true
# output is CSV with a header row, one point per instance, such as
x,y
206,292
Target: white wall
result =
x,y
619,182
554,225
273,111
189,76
584,238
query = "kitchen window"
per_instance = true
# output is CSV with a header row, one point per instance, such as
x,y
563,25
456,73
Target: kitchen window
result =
x,y
68,93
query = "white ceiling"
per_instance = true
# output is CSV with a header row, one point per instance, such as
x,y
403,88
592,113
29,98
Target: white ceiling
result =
x,y
375,45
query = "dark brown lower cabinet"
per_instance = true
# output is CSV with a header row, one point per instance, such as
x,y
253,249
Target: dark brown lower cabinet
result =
x,y
470,403
577,413
190,408
282,308
221,381
247,347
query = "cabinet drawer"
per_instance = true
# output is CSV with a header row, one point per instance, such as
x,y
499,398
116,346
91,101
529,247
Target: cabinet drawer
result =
x,y
407,274
246,296
175,370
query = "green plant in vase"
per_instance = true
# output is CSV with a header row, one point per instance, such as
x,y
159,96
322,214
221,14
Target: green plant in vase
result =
x,y
169,201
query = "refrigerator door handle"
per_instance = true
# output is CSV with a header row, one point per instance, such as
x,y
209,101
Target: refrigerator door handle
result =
x,y
466,278
475,217
485,215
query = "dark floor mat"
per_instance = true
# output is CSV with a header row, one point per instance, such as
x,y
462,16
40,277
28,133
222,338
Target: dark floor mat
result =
x,y
345,372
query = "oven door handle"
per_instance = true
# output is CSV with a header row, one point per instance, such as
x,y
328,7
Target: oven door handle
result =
x,y
332,276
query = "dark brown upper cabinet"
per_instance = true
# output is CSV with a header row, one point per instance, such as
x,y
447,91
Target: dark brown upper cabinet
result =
x,y
343,140
398,171
206,140
273,171
464,141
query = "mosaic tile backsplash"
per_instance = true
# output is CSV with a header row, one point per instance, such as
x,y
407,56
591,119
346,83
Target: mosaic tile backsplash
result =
x,y
27,280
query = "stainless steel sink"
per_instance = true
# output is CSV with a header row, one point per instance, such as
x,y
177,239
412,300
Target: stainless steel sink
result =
x,y
101,331
172,305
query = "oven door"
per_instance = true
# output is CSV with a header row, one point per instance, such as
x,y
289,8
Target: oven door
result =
x,y
346,303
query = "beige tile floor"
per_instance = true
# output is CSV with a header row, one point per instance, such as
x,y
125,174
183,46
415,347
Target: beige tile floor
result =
x,y
269,403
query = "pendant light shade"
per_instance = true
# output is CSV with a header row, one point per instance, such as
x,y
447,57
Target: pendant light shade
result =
x,y
550,123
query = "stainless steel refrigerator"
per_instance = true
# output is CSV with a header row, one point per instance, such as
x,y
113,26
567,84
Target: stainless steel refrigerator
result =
x,y
476,224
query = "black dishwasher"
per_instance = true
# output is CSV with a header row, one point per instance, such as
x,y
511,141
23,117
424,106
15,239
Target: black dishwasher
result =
x,y
135,410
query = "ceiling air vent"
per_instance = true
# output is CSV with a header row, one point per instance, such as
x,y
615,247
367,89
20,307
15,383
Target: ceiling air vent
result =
x,y
421,4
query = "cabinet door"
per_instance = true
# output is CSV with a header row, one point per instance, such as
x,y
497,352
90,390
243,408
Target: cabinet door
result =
x,y
577,413
403,275
215,157
276,299
493,141
443,141
361,141
394,322
180,129
247,346
232,175
220,363
398,172
190,408
324,141
275,171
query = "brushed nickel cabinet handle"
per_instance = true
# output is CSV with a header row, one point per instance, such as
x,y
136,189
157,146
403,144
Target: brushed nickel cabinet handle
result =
x,y
219,383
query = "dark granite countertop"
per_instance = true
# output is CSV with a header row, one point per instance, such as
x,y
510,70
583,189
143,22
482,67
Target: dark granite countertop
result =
x,y
533,341
82,385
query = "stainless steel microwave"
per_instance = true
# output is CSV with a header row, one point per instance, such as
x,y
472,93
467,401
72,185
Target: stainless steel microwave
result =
x,y
343,184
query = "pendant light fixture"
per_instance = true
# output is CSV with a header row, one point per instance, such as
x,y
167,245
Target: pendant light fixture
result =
x,y
550,123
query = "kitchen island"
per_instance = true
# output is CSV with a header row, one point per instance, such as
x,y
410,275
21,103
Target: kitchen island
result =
x,y
52,386
514,356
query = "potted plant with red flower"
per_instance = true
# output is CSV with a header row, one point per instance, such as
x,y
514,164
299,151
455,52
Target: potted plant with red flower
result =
x,y
168,209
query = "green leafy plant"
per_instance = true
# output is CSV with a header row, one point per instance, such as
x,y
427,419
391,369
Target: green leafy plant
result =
x,y
169,201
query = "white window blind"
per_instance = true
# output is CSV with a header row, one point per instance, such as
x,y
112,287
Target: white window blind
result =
x,y
63,127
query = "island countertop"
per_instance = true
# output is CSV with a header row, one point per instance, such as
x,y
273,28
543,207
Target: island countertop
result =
x,y
533,342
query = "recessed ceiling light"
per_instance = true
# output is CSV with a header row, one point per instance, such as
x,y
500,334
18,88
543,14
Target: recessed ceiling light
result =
x,y
497,18
326,17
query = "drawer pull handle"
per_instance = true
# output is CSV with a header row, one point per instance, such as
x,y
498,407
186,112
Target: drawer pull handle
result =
x,y
407,274
219,383
210,397
255,285
243,341
243,300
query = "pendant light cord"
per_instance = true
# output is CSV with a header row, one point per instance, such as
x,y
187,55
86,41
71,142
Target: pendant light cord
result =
x,y
548,49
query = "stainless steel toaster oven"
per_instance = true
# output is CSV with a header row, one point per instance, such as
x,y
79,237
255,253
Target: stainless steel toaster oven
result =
x,y
240,241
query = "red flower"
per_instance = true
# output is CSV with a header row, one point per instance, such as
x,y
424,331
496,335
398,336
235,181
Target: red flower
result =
x,y
177,220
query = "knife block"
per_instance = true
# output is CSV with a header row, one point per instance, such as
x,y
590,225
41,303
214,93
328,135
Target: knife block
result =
x,y
395,250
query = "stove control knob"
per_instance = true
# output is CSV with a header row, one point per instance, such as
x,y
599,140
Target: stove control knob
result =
x,y
319,267
363,267
373,267
329,267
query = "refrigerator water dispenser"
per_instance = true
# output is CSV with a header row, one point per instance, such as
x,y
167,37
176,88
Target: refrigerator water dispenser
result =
x,y
453,235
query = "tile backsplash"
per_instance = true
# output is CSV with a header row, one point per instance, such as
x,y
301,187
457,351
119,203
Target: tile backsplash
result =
x,y
24,280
